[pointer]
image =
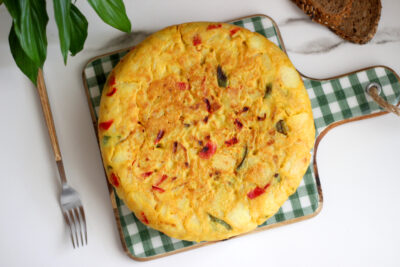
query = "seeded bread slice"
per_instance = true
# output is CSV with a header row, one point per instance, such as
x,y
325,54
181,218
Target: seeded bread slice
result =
x,y
361,25
353,20
326,12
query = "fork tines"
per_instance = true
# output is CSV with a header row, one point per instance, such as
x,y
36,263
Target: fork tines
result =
x,y
75,218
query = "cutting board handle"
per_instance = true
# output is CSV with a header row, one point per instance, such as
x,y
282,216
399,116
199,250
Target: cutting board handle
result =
x,y
374,90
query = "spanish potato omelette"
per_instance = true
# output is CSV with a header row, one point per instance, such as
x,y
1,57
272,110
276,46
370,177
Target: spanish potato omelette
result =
x,y
205,130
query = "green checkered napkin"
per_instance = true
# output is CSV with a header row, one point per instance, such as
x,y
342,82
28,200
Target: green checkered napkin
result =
x,y
331,100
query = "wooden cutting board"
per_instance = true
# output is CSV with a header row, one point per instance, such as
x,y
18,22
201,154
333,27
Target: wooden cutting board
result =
x,y
335,101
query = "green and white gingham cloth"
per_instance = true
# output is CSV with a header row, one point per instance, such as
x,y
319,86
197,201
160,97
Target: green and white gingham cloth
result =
x,y
331,100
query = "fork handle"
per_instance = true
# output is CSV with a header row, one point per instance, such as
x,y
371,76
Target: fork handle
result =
x,y
44,101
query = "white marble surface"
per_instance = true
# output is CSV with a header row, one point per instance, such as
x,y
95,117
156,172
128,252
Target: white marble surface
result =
x,y
358,162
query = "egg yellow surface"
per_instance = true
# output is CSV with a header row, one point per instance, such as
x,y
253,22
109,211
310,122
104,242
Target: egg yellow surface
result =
x,y
205,130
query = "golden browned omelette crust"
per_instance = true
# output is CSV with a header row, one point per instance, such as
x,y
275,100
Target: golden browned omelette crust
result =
x,y
205,130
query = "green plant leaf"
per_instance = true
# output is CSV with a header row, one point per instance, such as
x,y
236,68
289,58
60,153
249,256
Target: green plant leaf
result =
x,y
79,30
113,13
30,21
62,15
26,65
12,7
72,27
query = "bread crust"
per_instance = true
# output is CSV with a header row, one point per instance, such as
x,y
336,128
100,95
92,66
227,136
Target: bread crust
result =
x,y
320,14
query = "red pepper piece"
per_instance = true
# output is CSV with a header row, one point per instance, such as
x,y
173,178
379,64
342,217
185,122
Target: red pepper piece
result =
x,y
144,219
238,124
214,26
146,174
196,40
114,180
208,150
232,141
159,136
182,86
113,90
157,189
257,191
233,31
112,80
207,104
105,125
163,178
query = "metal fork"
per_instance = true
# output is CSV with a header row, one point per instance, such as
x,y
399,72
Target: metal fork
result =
x,y
71,204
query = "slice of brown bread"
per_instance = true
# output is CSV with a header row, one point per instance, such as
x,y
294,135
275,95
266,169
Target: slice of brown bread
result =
x,y
326,12
361,25
353,20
